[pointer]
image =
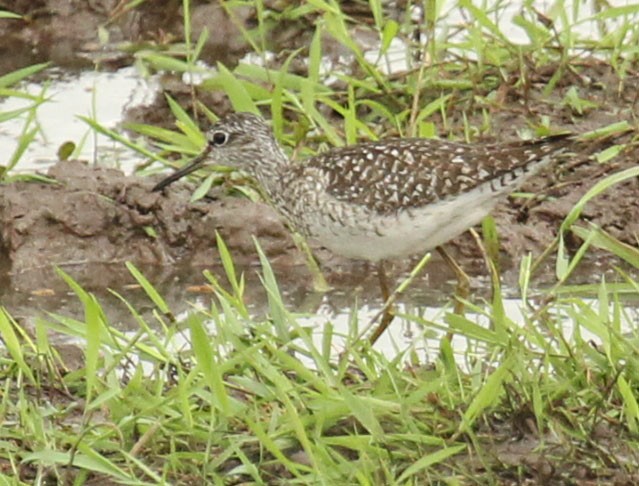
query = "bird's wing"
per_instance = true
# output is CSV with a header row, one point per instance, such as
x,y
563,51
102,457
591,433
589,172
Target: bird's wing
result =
x,y
396,174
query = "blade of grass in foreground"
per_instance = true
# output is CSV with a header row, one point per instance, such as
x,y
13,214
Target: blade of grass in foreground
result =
x,y
631,407
157,349
277,309
606,241
95,323
118,137
153,294
21,74
430,460
209,363
4,14
93,462
597,189
229,267
12,343
488,394
93,319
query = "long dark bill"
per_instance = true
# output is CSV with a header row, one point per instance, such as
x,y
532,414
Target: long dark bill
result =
x,y
195,164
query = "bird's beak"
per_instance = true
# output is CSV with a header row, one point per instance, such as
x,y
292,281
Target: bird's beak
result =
x,y
195,164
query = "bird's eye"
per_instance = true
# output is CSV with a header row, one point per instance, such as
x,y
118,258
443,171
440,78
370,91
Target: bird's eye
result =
x,y
219,138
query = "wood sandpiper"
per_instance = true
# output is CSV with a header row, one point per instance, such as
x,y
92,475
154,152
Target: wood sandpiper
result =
x,y
377,200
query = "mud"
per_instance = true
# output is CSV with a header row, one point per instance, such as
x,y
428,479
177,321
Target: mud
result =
x,y
93,215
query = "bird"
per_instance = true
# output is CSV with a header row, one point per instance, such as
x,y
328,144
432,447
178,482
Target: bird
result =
x,y
377,200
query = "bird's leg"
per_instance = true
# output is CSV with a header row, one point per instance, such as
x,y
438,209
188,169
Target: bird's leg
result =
x,y
383,280
388,314
319,282
462,290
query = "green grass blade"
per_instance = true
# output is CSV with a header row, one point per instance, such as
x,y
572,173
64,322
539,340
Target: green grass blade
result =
x,y
597,189
94,324
488,395
12,343
21,74
276,303
229,267
150,291
429,460
605,241
234,89
630,404
209,364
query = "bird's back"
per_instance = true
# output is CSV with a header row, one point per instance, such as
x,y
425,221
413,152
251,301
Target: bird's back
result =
x,y
395,174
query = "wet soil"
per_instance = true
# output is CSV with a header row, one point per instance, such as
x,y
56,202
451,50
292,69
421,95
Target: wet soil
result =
x,y
97,215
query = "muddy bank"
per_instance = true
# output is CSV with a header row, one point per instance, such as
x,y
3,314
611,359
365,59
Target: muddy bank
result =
x,y
92,215
98,215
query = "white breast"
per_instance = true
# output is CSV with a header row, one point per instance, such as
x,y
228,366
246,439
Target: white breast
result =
x,y
363,235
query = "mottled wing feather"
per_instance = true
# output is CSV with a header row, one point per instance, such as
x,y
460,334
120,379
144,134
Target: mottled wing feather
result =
x,y
397,174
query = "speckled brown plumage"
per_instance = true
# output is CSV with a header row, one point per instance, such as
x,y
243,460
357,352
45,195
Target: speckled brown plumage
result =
x,y
396,174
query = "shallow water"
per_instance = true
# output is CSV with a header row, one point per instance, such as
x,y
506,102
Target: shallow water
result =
x,y
103,96
418,328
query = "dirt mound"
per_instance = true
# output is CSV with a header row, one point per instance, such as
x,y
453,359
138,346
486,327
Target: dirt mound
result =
x,y
97,215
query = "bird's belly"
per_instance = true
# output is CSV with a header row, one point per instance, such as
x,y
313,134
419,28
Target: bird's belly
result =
x,y
409,232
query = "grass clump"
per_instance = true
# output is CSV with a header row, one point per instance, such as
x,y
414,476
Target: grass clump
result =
x,y
28,113
220,397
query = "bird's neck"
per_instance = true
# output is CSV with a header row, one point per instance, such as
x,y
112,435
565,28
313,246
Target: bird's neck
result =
x,y
269,169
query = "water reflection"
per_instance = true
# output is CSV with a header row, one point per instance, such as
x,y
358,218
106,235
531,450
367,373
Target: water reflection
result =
x,y
103,96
